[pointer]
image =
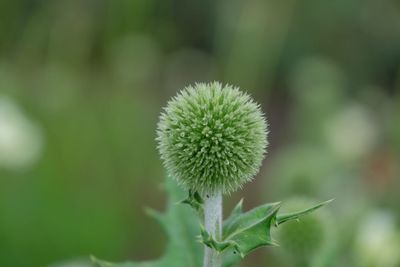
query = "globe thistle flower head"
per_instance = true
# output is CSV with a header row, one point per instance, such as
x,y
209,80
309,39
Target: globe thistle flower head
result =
x,y
212,138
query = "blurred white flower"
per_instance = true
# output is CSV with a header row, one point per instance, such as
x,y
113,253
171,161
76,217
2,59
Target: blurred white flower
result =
x,y
21,140
377,243
351,133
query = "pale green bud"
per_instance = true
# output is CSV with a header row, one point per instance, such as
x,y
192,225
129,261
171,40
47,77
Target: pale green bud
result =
x,y
212,137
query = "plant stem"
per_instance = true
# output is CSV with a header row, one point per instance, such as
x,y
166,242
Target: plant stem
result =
x,y
213,225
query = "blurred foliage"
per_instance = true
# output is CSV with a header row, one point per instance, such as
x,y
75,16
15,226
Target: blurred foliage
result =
x,y
309,241
87,80
180,225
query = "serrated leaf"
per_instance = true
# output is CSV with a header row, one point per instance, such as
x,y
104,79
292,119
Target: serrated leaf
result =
x,y
296,215
242,232
181,226
245,232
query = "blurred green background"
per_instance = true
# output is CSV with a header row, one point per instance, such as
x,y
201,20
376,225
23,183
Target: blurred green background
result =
x,y
82,84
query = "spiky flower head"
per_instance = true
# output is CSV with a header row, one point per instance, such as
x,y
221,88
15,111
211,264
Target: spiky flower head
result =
x,y
212,138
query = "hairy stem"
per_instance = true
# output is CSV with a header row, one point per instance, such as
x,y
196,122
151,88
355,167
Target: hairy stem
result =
x,y
213,225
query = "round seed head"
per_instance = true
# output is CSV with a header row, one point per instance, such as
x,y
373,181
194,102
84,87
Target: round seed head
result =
x,y
212,138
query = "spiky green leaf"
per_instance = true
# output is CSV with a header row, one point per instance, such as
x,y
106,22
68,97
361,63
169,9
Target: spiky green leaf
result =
x,y
296,215
245,232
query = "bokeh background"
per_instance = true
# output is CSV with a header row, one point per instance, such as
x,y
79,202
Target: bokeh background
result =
x,y
82,84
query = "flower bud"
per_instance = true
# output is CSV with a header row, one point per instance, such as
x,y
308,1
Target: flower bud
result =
x,y
212,138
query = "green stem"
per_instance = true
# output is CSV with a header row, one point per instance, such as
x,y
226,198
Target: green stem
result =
x,y
213,225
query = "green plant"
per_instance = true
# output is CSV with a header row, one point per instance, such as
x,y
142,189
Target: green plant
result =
x,y
212,139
